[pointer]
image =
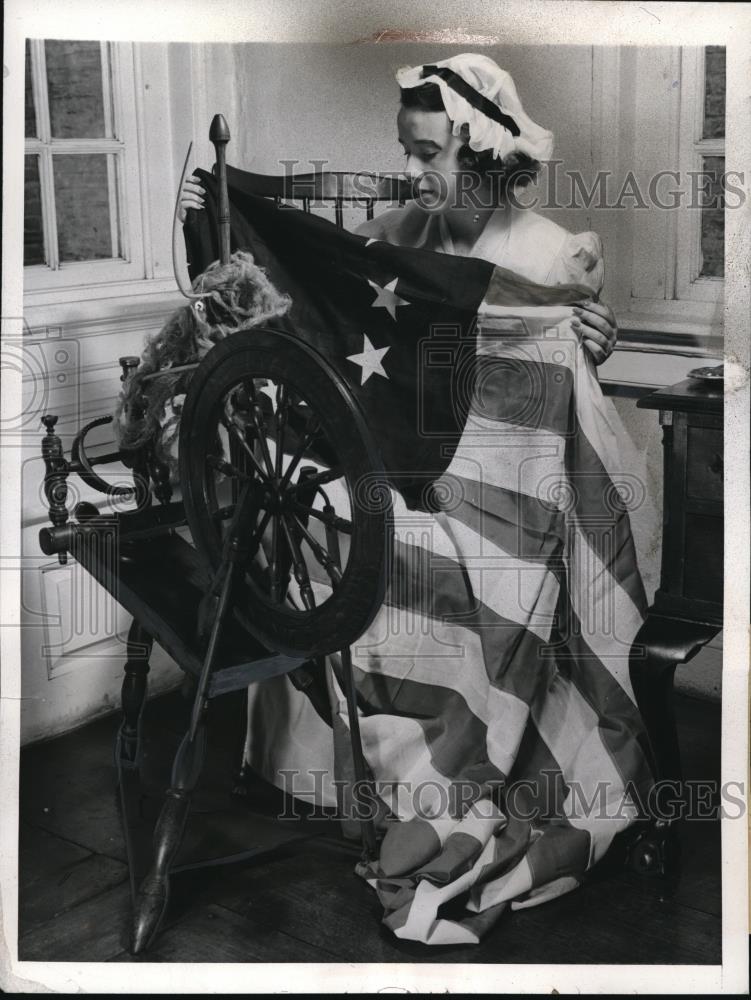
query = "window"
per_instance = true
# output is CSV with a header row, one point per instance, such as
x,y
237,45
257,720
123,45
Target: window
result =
x,y
82,215
659,115
701,233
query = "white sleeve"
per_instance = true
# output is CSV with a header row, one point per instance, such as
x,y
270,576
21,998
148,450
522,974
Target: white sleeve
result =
x,y
580,262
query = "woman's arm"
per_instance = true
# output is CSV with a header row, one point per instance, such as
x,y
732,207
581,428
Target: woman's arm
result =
x,y
598,328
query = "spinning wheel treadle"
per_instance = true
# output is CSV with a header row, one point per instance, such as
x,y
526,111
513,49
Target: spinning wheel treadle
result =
x,y
260,409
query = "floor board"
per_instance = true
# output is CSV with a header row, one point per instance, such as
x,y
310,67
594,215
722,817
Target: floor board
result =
x,y
49,897
214,934
94,931
42,854
301,901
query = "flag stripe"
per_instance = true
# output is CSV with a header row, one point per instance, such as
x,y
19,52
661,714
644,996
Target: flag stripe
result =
x,y
434,586
529,514
514,538
620,723
536,780
540,396
561,851
445,657
456,739
508,289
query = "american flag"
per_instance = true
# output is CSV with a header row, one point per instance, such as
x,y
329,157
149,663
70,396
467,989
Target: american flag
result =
x,y
496,711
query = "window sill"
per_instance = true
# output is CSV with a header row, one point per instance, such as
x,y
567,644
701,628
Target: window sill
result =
x,y
659,344
90,304
633,369
685,325
680,339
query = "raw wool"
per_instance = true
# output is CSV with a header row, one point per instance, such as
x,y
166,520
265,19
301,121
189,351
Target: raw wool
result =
x,y
234,296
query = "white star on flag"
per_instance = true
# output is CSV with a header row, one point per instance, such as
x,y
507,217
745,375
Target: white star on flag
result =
x,y
387,297
369,360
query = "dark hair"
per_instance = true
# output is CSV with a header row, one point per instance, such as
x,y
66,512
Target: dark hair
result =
x,y
514,170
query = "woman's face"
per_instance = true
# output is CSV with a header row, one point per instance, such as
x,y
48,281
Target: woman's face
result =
x,y
431,148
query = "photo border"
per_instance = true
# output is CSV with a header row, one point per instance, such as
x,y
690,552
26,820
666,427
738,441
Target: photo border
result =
x,y
474,23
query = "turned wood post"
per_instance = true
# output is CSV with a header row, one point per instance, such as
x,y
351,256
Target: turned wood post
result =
x,y
133,695
160,477
219,136
138,463
56,472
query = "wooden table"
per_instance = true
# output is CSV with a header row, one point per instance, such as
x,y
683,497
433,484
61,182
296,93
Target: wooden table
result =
x,y
687,608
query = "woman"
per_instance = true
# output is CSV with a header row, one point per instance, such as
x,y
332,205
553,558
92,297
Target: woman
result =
x,y
466,168
450,706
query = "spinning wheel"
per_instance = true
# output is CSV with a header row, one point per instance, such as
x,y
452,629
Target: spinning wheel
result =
x,y
259,406
259,410
283,491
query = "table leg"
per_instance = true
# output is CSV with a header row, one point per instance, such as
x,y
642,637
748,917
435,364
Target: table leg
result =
x,y
661,644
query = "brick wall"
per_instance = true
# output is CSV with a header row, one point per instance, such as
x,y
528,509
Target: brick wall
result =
x,y
714,99
713,223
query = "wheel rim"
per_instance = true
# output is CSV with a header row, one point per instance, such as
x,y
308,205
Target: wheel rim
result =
x,y
274,452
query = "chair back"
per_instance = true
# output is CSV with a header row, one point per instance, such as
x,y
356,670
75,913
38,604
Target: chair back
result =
x,y
326,189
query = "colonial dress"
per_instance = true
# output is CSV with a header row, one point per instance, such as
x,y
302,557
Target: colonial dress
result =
x,y
435,714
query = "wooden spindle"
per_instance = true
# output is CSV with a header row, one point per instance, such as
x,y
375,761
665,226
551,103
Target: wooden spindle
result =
x,y
219,136
56,472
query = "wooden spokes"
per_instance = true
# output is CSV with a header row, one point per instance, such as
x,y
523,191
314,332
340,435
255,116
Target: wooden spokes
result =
x,y
272,448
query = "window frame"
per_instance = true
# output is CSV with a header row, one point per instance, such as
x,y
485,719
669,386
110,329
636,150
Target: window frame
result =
x,y
124,145
691,285
642,106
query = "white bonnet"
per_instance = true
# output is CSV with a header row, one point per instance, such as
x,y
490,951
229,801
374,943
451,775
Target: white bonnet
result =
x,y
467,83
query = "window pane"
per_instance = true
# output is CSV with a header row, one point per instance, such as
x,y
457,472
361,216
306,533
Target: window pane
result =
x,y
31,122
86,204
33,231
713,219
714,92
74,87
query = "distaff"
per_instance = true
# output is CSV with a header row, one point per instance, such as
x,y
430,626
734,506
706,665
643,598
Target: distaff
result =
x,y
469,144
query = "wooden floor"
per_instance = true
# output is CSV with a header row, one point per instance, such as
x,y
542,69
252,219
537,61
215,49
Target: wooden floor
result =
x,y
303,902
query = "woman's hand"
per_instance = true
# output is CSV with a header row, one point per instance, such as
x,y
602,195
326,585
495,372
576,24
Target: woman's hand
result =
x,y
596,324
191,196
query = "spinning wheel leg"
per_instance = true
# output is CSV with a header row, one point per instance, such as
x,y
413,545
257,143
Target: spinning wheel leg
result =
x,y
241,772
367,826
153,896
128,748
135,682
